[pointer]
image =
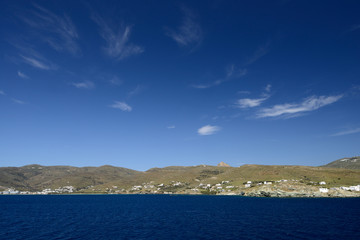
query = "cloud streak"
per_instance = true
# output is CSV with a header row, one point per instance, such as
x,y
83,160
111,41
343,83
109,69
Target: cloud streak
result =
x,y
18,101
137,90
122,106
58,32
232,72
354,28
250,102
292,109
208,130
84,85
40,63
115,81
22,75
254,102
189,33
259,53
117,41
347,132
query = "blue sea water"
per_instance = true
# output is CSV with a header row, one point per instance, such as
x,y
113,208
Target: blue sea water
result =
x,y
177,217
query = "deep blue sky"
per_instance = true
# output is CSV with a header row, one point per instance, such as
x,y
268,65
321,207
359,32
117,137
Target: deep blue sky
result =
x,y
143,84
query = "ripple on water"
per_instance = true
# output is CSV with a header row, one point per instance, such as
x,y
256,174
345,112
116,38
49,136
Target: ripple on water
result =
x,y
177,217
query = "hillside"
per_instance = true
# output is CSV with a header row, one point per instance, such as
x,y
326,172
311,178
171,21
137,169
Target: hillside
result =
x,y
348,163
37,177
174,179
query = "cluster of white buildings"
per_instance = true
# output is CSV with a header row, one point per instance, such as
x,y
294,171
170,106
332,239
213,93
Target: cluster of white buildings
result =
x,y
155,188
250,183
218,187
351,188
65,189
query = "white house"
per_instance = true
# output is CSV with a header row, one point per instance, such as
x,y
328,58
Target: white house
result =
x,y
322,183
355,188
323,190
351,188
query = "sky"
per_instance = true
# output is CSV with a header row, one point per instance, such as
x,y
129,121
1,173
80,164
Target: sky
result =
x,y
142,84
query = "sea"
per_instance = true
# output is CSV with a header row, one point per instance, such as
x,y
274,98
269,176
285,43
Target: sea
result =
x,y
177,217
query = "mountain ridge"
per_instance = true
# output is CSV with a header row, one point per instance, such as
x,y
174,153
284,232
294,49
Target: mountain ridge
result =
x,y
35,177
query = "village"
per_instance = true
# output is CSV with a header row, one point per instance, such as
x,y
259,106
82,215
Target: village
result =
x,y
279,188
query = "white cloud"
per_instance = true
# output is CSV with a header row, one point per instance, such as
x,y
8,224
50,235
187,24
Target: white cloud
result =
x,y
232,72
268,88
170,127
208,130
254,102
122,106
22,75
64,32
189,33
259,53
137,90
249,103
346,132
84,85
38,63
115,81
118,45
291,109
18,101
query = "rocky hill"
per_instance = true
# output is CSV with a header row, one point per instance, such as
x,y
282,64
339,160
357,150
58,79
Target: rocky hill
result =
x,y
251,180
37,177
222,164
348,163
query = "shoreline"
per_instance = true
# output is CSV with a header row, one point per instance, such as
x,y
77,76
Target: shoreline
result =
x,y
184,194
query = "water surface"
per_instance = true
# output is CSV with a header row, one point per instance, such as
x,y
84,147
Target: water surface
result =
x,y
177,217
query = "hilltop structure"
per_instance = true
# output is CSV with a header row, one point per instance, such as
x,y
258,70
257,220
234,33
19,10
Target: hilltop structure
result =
x,y
222,164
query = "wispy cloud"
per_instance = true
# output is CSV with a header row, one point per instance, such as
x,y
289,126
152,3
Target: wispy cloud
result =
x,y
244,92
292,109
2,93
57,31
259,53
254,102
268,88
18,101
137,90
232,72
250,102
122,106
30,56
118,44
170,127
84,85
354,28
347,132
22,75
37,63
189,33
33,58
115,81
208,130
